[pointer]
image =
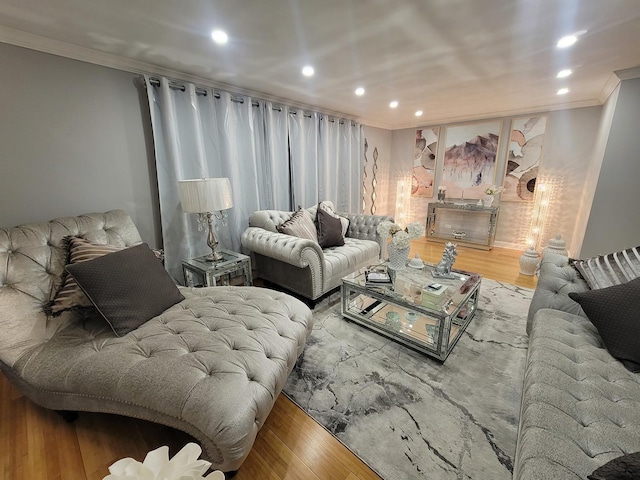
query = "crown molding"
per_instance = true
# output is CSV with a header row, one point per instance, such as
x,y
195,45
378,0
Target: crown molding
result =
x,y
498,114
609,87
628,73
614,80
75,52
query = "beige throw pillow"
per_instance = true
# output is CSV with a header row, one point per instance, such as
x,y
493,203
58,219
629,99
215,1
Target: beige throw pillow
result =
x,y
70,295
300,225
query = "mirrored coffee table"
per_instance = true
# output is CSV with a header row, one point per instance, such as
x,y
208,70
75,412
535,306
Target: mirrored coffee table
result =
x,y
408,313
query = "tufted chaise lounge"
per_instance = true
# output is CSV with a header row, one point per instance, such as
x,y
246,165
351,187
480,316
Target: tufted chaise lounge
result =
x,y
302,266
580,406
211,365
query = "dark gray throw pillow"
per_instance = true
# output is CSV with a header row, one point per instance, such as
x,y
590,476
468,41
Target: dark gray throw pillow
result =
x,y
127,287
614,312
329,230
626,467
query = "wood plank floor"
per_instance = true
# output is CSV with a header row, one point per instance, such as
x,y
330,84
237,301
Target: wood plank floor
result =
x,y
37,444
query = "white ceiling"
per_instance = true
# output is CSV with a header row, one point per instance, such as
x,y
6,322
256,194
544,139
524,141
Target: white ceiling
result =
x,y
453,59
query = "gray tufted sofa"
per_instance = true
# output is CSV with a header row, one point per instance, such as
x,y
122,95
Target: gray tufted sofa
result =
x,y
211,365
580,406
300,265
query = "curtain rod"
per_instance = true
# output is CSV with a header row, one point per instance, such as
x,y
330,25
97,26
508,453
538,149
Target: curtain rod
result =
x,y
254,103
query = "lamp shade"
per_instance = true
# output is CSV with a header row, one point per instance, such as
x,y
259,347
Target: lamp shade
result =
x,y
205,195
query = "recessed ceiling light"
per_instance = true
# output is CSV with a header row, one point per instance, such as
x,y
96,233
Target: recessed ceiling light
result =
x,y
393,104
308,71
567,41
419,113
563,91
564,73
359,91
219,36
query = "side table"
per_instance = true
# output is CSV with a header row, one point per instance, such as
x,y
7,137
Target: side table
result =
x,y
199,272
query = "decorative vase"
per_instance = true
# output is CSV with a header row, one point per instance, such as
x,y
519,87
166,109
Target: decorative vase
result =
x,y
398,257
529,262
556,245
487,200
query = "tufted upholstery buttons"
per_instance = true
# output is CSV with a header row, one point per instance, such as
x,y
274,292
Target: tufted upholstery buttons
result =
x,y
300,265
579,407
557,279
184,368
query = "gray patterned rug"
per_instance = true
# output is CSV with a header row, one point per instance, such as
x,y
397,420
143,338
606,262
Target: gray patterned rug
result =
x,y
409,416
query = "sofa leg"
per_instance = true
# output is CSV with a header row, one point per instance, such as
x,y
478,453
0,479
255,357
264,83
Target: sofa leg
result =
x,y
230,474
69,416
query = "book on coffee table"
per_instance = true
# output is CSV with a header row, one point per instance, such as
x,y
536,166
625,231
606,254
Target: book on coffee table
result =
x,y
377,278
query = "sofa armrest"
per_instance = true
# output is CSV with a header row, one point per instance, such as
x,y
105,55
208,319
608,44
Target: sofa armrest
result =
x,y
299,252
557,278
364,227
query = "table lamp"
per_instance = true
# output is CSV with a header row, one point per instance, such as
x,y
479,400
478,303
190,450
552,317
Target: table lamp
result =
x,y
207,197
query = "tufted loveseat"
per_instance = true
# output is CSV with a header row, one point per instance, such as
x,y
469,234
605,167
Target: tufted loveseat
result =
x,y
211,365
302,266
580,406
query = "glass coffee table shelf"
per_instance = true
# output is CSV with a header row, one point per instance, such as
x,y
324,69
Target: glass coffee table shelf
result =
x,y
404,313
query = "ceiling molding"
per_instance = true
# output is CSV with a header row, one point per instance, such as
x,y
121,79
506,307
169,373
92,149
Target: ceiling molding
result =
x,y
75,52
499,114
614,80
609,87
628,73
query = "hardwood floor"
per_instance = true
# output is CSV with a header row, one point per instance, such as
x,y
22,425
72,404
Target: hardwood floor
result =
x,y
37,444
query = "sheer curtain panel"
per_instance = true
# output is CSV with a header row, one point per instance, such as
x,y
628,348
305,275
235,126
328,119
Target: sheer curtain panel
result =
x,y
275,158
197,135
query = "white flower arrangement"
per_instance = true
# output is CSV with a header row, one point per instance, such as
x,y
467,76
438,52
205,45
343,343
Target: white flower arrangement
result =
x,y
156,466
400,237
492,190
442,188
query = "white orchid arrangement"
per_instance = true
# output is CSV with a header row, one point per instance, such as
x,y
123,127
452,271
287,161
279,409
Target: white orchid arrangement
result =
x,y
156,466
400,237
492,190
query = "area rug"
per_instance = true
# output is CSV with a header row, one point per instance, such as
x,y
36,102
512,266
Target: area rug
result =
x,y
409,416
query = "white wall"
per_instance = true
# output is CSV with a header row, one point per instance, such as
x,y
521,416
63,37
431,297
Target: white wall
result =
x,y
614,222
74,138
593,172
568,148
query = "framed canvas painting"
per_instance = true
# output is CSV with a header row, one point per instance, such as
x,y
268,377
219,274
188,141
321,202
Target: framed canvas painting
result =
x,y
424,161
523,158
469,164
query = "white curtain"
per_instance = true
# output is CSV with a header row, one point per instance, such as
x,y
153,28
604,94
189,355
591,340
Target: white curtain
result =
x,y
275,158
303,145
272,154
327,155
340,163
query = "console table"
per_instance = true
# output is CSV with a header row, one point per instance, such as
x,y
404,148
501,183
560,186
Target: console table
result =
x,y
465,224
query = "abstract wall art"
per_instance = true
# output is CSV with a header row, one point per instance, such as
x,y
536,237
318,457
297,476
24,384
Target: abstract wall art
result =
x,y
424,161
523,158
470,159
